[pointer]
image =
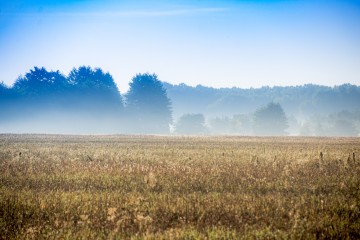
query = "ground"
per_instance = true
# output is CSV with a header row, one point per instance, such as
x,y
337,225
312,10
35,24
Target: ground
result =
x,y
177,187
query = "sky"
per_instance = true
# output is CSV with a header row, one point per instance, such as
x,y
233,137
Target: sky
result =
x,y
244,43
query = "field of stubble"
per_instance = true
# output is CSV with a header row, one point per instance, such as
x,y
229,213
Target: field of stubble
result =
x,y
152,187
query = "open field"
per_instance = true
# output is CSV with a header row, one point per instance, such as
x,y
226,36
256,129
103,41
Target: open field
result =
x,y
117,187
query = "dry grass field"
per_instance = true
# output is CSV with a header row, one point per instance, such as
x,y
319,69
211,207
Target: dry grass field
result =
x,y
152,187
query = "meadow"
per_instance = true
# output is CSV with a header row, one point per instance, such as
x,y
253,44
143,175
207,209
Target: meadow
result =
x,y
178,187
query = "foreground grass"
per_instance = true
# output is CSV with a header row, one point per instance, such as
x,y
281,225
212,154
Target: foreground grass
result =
x,y
139,187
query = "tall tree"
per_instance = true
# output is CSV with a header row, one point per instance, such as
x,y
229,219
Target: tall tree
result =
x,y
148,105
270,120
40,83
94,90
39,90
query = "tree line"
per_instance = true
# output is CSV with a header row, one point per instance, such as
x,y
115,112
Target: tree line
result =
x,y
87,100
269,120
310,110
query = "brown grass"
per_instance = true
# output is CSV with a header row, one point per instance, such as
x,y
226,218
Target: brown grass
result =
x,y
152,187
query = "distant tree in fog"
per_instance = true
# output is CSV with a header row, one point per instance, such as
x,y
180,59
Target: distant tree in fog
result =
x,y
86,101
5,91
221,125
40,82
191,124
343,127
84,89
85,77
7,98
37,92
93,89
344,123
270,120
148,105
241,124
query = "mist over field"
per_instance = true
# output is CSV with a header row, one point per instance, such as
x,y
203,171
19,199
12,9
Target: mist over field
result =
x,y
264,68
87,101
182,119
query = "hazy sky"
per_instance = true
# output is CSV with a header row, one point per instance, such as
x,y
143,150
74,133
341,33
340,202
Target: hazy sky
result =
x,y
245,43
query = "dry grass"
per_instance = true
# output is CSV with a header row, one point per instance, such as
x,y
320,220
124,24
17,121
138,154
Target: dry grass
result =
x,y
146,187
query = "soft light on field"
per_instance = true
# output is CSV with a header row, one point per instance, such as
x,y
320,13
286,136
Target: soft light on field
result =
x,y
153,187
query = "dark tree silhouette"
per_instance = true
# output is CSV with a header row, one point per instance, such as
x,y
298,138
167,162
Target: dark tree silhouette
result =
x,y
5,92
86,101
148,106
39,91
191,124
270,120
40,82
94,90
87,78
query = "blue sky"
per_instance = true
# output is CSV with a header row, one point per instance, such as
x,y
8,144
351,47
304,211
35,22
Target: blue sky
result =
x,y
214,43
